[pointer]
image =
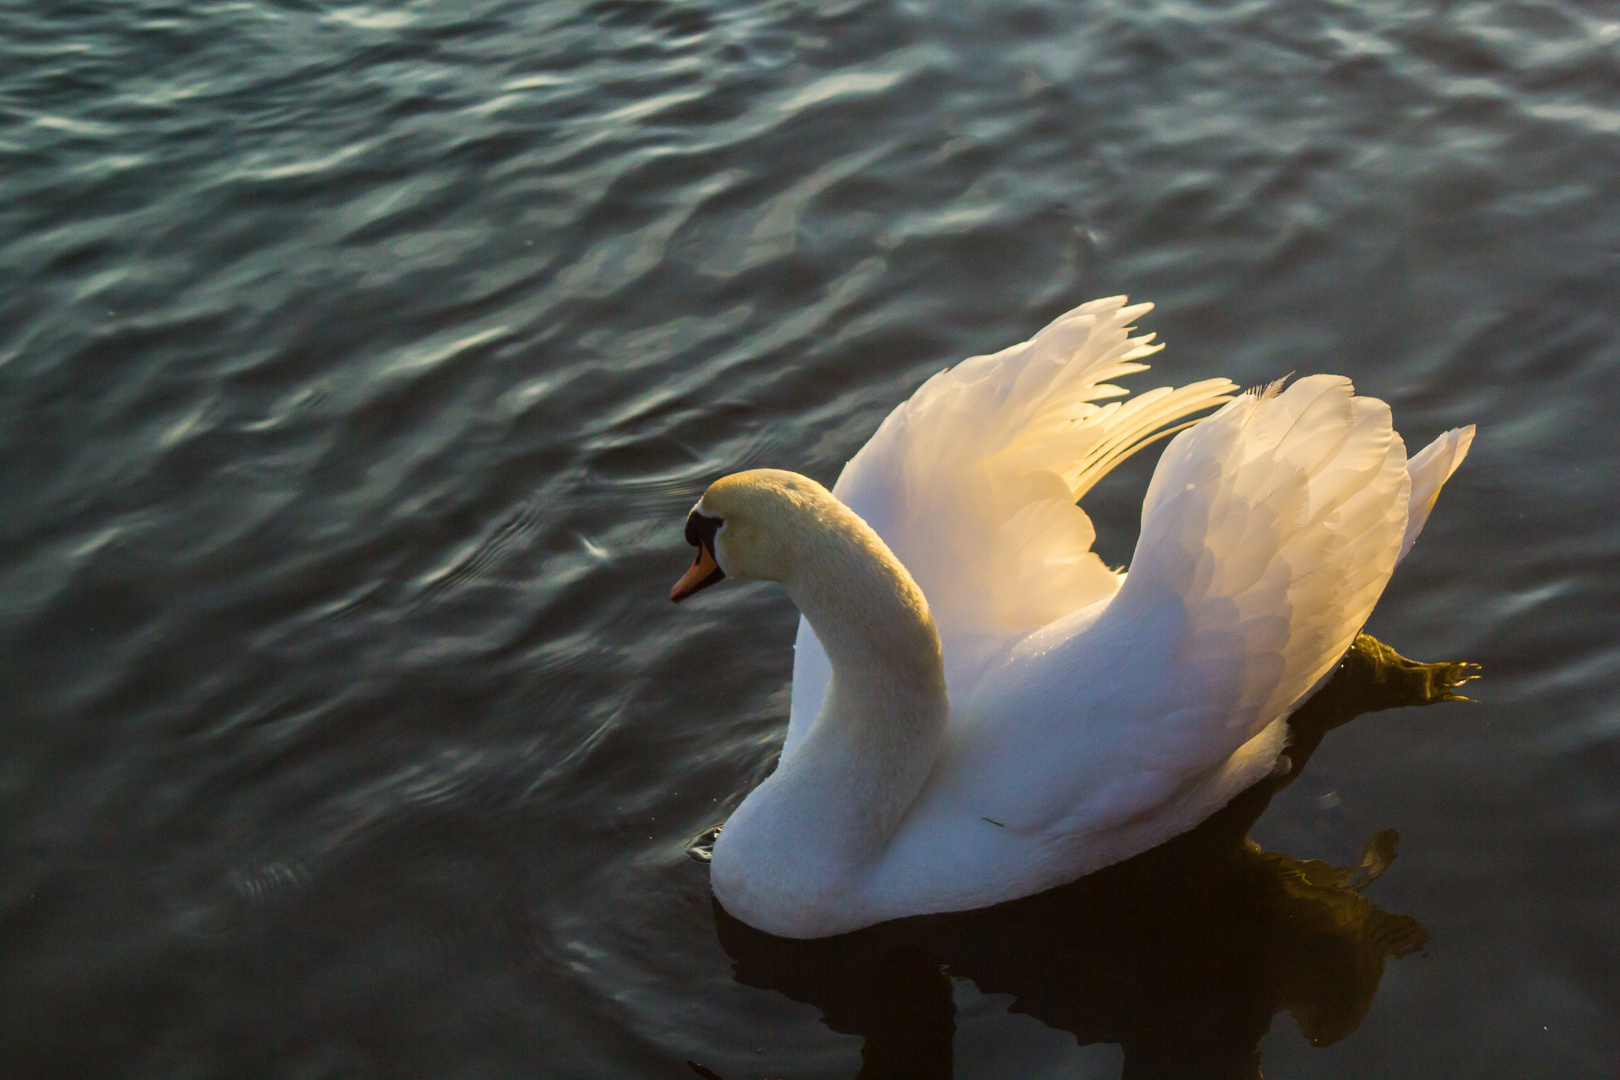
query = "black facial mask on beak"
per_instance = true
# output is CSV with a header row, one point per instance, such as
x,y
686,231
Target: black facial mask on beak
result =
x,y
705,571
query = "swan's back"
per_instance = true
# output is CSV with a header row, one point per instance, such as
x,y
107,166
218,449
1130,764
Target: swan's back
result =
x,y
973,484
1268,533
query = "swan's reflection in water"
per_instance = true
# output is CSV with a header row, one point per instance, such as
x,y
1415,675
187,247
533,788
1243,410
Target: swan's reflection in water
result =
x,y
1182,955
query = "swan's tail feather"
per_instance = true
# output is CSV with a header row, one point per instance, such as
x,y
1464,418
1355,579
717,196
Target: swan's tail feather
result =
x,y
1429,469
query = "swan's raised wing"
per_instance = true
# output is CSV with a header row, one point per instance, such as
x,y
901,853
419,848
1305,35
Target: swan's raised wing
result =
x,y
973,484
1268,533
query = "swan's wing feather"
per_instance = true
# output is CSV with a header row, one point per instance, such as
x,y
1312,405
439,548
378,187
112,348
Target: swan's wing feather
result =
x,y
973,481
1268,533
973,484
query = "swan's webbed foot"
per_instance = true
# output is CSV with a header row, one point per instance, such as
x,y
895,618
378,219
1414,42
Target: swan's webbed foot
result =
x,y
1386,680
1372,677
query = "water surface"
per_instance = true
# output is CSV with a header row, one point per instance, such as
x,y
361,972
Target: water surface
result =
x,y
358,365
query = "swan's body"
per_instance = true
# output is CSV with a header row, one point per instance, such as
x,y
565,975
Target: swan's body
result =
x,y
981,709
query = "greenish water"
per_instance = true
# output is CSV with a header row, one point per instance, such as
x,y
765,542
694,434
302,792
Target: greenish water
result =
x,y
358,366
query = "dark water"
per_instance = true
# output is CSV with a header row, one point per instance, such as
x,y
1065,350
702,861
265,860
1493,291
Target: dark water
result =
x,y
359,364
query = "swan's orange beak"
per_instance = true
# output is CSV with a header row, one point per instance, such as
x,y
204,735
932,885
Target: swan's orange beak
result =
x,y
704,572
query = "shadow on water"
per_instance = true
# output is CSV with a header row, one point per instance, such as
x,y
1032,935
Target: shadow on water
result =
x,y
1181,955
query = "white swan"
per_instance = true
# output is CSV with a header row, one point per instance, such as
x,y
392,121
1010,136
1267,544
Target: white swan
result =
x,y
981,709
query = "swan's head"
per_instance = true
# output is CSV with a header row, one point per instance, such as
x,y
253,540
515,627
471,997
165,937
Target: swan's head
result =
x,y
754,525
770,525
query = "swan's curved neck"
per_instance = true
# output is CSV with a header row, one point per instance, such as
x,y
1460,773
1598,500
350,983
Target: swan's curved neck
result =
x,y
881,722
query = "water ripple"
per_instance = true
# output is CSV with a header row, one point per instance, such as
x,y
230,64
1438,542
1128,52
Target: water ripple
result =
x,y
359,362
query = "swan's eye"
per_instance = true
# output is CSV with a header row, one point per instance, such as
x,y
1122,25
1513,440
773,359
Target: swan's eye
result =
x,y
700,530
